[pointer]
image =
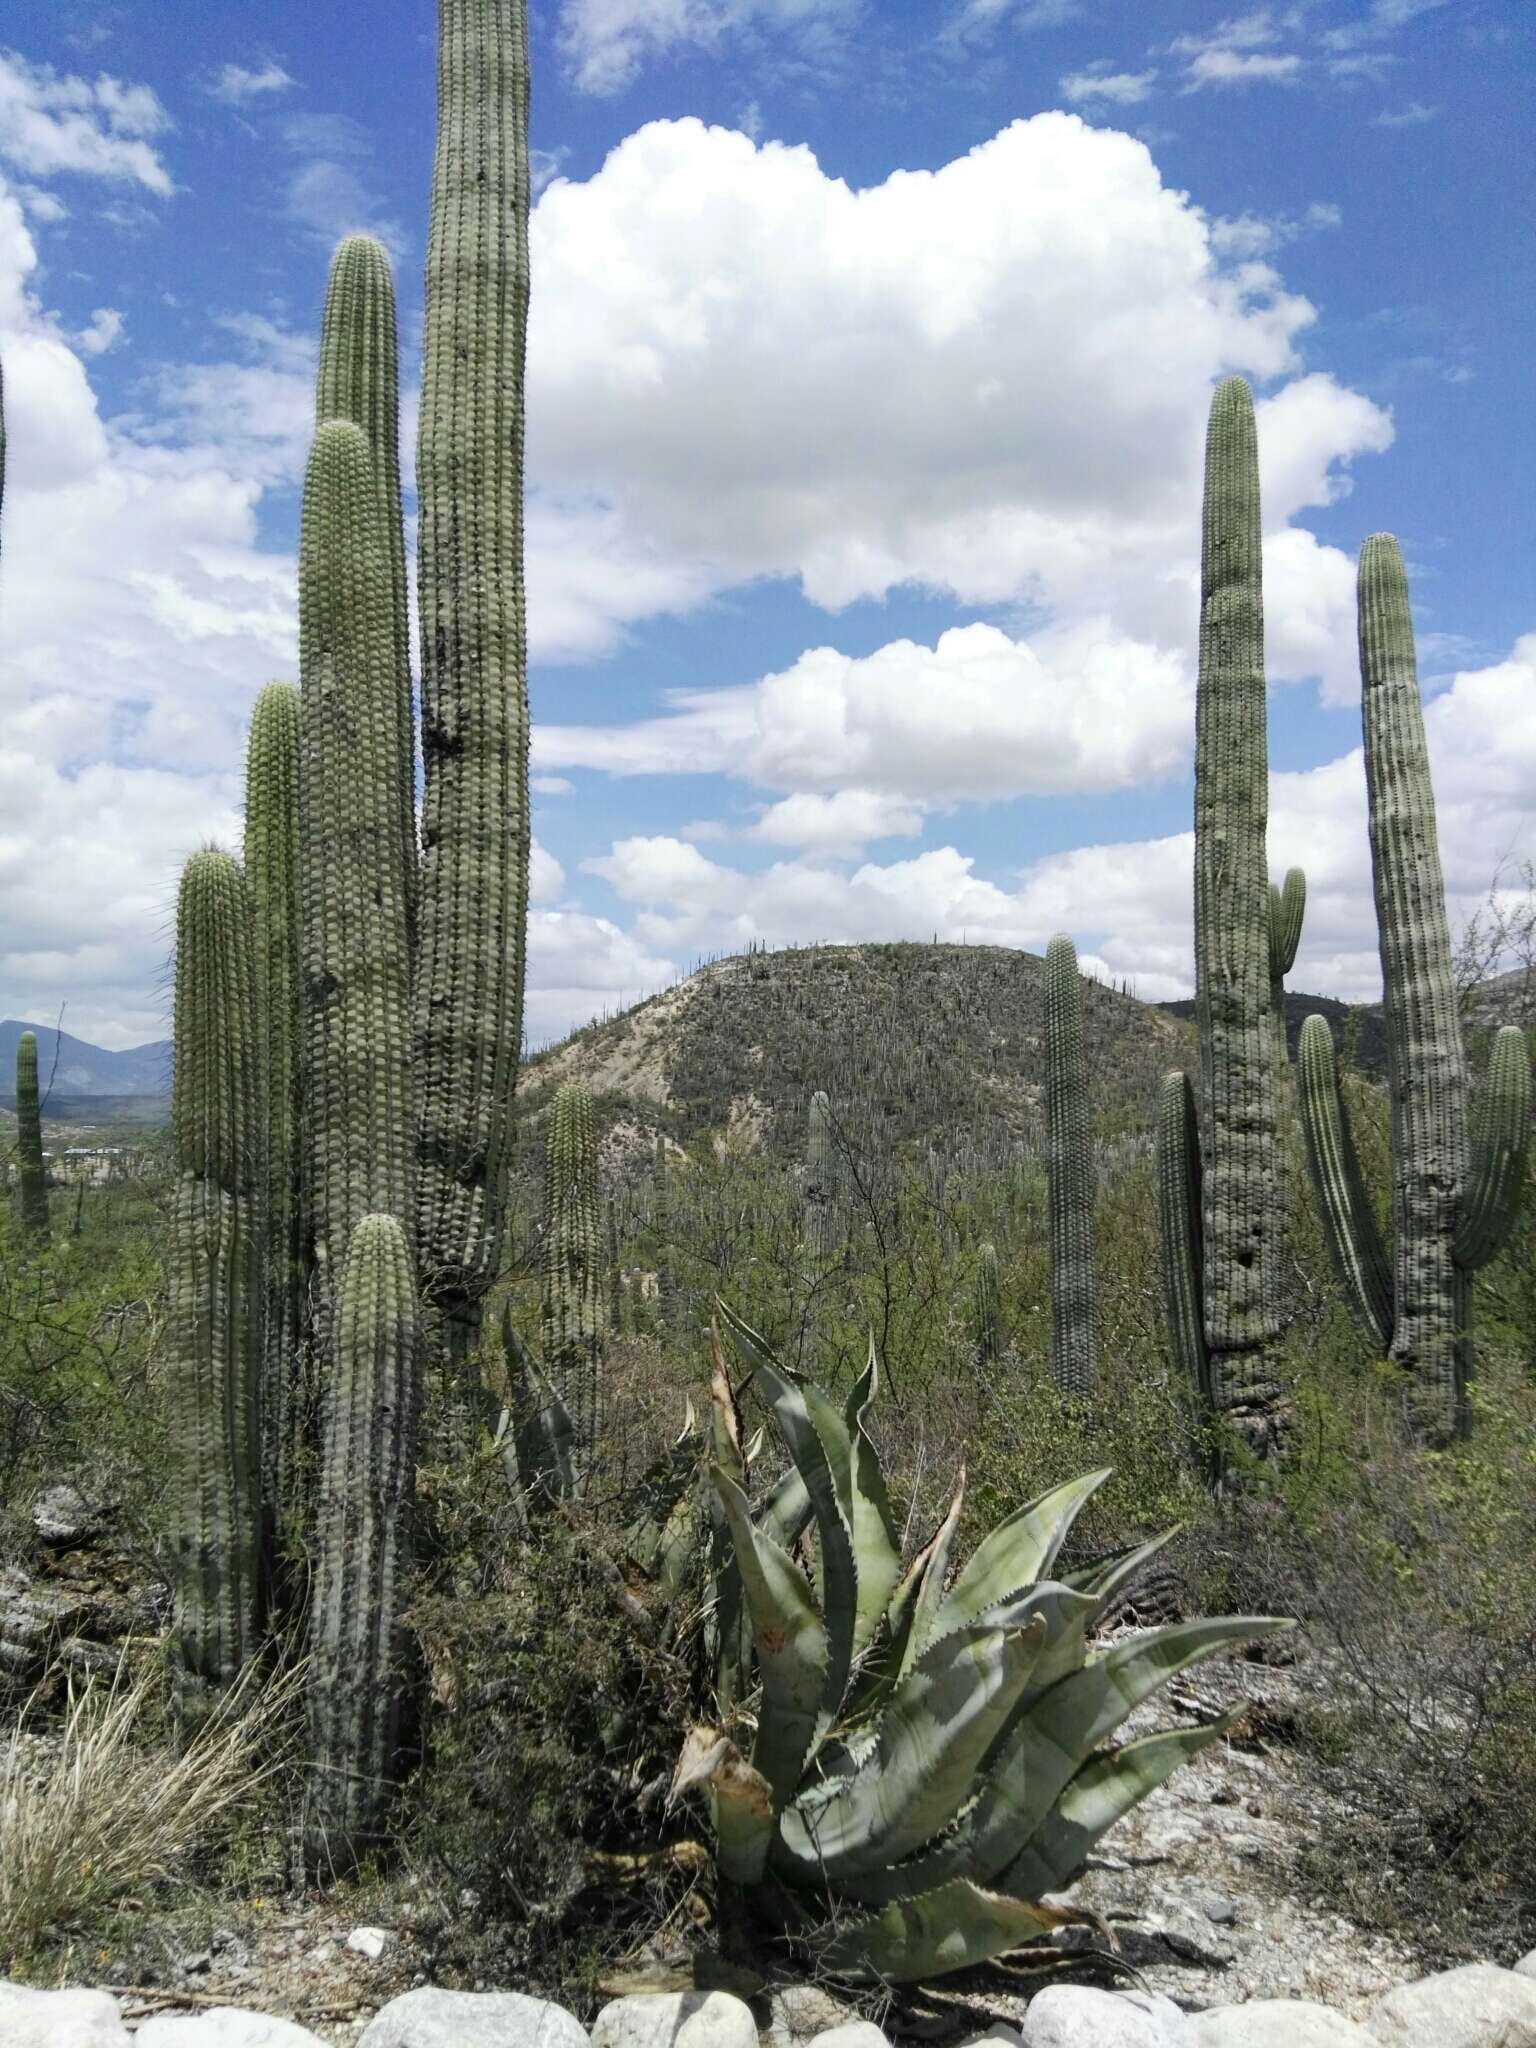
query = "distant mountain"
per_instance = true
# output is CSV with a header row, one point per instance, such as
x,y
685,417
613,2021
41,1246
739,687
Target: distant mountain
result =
x,y
84,1071
1370,1026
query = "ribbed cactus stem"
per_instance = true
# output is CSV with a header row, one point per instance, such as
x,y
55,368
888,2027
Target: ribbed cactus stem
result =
x,y
1425,1065
359,380
360,1087
1349,1221
1502,1127
820,1178
272,876
31,1168
1287,909
1179,1216
989,1337
1232,951
474,895
661,1230
573,1267
1069,1157
213,1318
359,1689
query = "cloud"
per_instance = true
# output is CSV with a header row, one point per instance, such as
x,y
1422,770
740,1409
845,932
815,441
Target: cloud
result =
x,y
1381,18
104,332
987,380
1236,67
1406,117
52,123
840,823
977,18
326,194
605,42
1100,82
237,87
1250,234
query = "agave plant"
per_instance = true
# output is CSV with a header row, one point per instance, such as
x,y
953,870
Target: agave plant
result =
x,y
907,1758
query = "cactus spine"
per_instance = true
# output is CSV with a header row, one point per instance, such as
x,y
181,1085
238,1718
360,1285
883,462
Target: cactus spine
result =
x,y
1069,1153
573,1267
360,1092
31,1171
1287,909
272,876
358,1691
474,896
213,1322
1236,1246
1453,1204
820,1176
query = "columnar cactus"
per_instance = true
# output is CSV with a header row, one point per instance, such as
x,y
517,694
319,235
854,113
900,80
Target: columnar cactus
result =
x,y
474,894
988,1308
359,380
213,1319
572,1302
820,1177
1452,1204
1069,1154
358,1689
1236,1272
360,1090
1287,909
272,876
31,1169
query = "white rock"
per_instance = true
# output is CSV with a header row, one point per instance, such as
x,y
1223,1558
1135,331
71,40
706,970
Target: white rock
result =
x,y
1526,1967
1275,2023
851,2034
1477,2006
472,2019
1072,2016
59,2019
369,1941
676,2019
223,2027
996,2036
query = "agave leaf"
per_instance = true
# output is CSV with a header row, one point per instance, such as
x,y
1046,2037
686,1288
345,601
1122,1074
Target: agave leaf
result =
x,y
1104,1791
1019,1551
543,1435
790,1639
880,1672
876,1540
1104,1579
725,1419
810,1456
741,1799
785,1511
948,1929
940,1724
929,1601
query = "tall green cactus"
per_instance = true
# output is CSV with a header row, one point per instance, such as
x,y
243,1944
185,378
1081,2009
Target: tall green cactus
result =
x,y
359,380
213,1319
572,1295
358,1689
820,1179
1287,909
469,994
31,1168
360,1091
1453,1203
1236,1249
1069,1156
272,876
988,1308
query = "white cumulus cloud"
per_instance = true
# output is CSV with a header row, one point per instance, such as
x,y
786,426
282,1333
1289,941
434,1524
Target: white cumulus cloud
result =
x,y
52,122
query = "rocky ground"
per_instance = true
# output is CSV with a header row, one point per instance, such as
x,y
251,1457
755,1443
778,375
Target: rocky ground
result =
x,y
1196,1895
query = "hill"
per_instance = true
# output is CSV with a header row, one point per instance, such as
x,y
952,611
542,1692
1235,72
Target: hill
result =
x,y
1370,1026
915,1045
73,1074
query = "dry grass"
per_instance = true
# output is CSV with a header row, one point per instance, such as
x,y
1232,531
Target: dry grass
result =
x,y
99,1805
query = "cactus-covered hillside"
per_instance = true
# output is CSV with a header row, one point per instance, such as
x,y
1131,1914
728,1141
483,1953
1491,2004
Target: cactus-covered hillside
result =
x,y
914,1045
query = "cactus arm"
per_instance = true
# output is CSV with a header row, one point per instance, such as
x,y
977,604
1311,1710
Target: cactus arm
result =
x,y
358,1690
359,380
1498,1153
1232,919
474,893
1179,1214
1426,1072
1074,1282
212,1330
31,1168
1287,909
1354,1241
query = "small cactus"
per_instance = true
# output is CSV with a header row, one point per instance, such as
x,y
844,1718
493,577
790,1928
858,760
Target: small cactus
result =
x,y
820,1179
1069,1152
988,1311
573,1268
32,1170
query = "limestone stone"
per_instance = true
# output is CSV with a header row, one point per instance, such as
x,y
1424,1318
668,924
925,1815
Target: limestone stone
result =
x,y
429,2018
1477,2006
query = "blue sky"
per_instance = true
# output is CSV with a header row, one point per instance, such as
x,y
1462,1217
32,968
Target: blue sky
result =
x,y
870,354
